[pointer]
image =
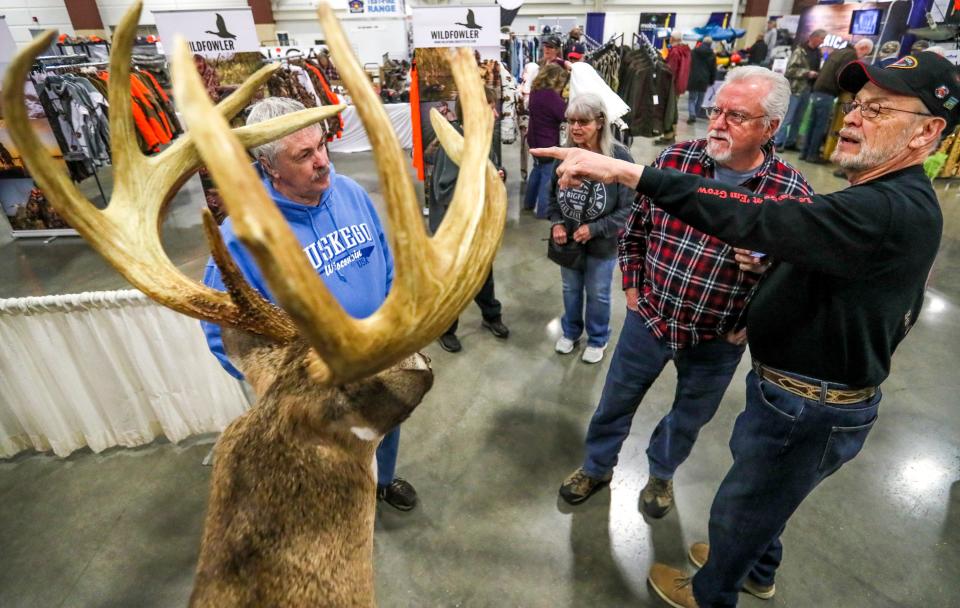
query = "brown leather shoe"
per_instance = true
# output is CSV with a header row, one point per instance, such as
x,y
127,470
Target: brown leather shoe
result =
x,y
672,585
698,554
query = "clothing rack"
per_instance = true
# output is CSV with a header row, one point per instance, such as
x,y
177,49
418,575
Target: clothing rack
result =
x,y
48,68
88,64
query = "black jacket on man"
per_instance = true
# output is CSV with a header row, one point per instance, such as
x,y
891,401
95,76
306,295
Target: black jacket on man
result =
x,y
851,266
703,69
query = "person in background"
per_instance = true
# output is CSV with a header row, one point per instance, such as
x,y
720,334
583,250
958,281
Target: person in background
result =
x,y
443,180
802,70
550,50
686,293
678,60
546,109
770,38
889,51
703,73
824,95
593,215
342,237
574,44
759,51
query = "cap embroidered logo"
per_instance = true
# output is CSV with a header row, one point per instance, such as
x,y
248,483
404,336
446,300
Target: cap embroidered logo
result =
x,y
904,63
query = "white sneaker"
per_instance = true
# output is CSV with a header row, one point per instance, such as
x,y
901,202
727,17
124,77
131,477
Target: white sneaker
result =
x,y
593,354
564,345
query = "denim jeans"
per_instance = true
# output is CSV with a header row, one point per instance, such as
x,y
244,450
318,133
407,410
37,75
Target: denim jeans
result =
x,y
538,187
820,118
695,103
703,374
387,457
594,281
783,446
790,127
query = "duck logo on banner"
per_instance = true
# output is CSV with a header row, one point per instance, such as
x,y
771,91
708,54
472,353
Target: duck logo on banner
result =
x,y
907,62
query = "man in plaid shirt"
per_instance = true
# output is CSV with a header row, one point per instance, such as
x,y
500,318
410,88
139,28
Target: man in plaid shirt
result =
x,y
686,292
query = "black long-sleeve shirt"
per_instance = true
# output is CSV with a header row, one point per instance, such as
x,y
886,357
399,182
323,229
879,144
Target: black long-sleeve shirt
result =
x,y
852,265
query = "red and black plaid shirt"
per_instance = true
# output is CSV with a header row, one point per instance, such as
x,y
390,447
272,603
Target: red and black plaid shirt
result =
x,y
691,288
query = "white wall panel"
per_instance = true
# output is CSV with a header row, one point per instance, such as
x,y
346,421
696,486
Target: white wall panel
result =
x,y
112,10
50,14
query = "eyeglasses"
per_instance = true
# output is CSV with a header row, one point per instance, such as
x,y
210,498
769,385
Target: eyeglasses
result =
x,y
733,117
581,122
872,109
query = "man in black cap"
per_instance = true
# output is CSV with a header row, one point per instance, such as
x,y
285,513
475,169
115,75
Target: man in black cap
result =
x,y
846,287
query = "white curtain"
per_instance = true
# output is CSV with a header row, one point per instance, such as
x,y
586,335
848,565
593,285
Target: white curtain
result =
x,y
106,369
355,138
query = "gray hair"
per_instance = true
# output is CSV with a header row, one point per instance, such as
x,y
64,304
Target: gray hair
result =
x,y
273,107
866,44
590,105
777,99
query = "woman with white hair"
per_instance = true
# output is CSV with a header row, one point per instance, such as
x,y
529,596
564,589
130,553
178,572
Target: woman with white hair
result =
x,y
586,223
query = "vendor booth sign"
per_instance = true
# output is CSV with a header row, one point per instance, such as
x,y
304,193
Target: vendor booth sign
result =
x,y
384,7
210,33
471,26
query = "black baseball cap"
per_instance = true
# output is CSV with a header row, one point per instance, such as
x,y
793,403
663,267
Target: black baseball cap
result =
x,y
927,76
553,41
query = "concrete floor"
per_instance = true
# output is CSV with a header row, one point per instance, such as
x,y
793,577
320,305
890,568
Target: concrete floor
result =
x,y
487,451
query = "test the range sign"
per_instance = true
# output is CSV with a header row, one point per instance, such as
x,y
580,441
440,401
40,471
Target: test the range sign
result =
x,y
210,33
456,26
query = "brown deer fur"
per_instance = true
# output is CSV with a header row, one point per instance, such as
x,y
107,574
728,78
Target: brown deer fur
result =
x,y
291,508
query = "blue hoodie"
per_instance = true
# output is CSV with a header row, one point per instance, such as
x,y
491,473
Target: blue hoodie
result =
x,y
341,237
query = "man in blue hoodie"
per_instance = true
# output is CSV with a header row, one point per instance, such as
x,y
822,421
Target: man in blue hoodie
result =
x,y
338,227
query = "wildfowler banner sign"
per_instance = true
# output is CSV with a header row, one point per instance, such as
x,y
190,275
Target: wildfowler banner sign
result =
x,y
210,33
474,26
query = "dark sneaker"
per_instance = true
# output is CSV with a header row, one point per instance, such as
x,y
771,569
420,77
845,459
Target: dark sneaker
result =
x,y
691,120
399,494
497,328
450,343
657,497
664,141
579,486
698,554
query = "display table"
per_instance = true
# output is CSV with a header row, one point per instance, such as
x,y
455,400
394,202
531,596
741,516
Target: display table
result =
x,y
106,369
355,139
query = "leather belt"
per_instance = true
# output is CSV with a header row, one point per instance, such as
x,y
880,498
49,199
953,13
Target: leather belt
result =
x,y
814,391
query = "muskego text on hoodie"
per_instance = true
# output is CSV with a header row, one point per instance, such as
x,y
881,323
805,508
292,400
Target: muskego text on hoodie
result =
x,y
338,249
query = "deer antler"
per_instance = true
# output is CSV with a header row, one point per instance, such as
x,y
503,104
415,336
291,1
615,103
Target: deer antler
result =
x,y
434,278
127,232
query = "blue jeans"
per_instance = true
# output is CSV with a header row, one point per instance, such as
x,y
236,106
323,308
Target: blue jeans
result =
x,y
695,103
594,280
703,374
387,457
790,127
538,187
820,119
783,446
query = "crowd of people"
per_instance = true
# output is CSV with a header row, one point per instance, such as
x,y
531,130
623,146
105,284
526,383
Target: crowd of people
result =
x,y
721,245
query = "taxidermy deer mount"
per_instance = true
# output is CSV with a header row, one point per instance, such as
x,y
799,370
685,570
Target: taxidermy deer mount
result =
x,y
290,514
